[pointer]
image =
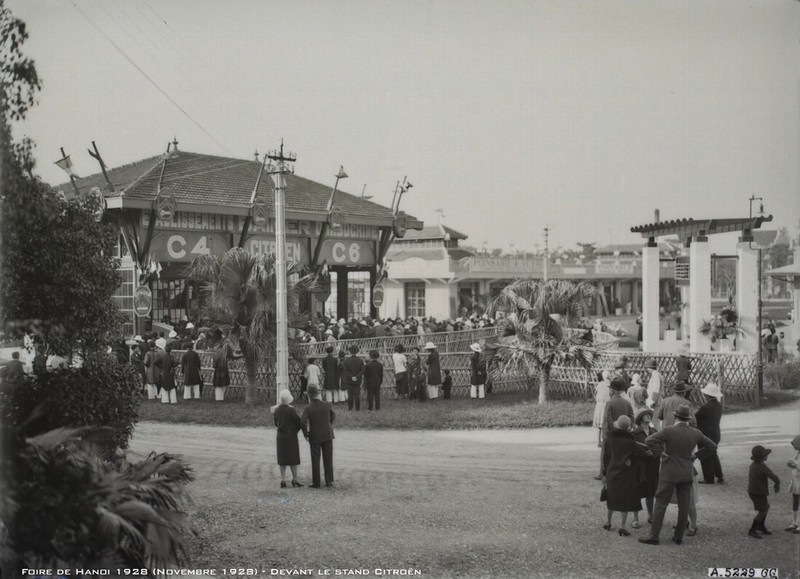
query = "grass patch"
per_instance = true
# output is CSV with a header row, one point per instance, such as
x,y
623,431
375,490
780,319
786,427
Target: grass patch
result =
x,y
506,410
502,410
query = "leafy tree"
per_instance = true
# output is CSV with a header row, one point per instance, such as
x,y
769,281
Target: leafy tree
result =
x,y
19,81
536,335
57,267
241,289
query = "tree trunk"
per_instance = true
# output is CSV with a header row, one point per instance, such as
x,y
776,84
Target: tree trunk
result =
x,y
251,389
544,376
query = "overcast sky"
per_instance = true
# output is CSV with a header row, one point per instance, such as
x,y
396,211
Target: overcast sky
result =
x,y
509,116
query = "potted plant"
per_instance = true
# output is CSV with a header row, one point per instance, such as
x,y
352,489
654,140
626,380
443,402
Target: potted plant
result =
x,y
721,328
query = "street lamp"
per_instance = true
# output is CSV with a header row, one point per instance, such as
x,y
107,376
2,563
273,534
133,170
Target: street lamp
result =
x,y
760,359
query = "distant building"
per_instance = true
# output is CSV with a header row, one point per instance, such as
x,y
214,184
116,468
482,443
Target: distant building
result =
x,y
430,275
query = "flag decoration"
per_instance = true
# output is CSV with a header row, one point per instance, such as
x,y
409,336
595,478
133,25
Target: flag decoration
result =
x,y
65,164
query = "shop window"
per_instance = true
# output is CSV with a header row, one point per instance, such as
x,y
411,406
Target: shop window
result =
x,y
123,297
415,300
359,294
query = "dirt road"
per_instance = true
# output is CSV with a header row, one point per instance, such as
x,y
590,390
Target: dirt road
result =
x,y
462,504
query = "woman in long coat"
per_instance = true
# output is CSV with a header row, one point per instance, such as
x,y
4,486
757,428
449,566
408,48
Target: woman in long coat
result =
x,y
288,425
620,457
434,370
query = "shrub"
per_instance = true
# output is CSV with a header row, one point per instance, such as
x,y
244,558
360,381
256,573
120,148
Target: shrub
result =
x,y
105,394
783,376
68,507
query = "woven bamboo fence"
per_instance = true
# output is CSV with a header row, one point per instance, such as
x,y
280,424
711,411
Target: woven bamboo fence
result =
x,y
565,382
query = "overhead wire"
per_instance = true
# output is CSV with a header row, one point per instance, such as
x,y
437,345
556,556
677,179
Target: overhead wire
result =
x,y
133,63
160,49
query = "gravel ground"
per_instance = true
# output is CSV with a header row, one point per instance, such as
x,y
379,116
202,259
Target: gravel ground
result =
x,y
500,503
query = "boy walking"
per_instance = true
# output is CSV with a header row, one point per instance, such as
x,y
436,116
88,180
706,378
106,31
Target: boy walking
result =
x,y
758,489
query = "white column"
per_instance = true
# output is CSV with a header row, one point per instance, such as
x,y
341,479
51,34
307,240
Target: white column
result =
x,y
747,297
650,298
699,293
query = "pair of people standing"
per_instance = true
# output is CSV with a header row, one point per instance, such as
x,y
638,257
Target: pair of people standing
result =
x,y
316,424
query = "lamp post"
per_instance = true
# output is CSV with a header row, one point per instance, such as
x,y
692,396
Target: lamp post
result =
x,y
277,172
760,359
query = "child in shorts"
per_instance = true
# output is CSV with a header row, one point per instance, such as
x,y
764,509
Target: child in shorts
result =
x,y
758,489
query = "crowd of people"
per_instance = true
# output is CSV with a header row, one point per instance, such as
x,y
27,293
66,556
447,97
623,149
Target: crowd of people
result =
x,y
152,356
417,372
324,328
649,444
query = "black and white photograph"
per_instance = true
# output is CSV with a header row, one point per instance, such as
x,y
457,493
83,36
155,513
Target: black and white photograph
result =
x,y
379,288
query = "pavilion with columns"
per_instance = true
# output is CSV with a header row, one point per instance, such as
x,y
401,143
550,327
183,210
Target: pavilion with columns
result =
x,y
696,296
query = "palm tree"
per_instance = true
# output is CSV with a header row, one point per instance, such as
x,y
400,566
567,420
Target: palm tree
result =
x,y
241,290
536,335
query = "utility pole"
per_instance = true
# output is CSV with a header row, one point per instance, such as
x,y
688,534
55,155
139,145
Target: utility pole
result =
x,y
546,250
277,172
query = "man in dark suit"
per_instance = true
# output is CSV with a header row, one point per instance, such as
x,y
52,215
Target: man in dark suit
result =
x,y
330,370
676,472
373,379
708,418
352,373
318,419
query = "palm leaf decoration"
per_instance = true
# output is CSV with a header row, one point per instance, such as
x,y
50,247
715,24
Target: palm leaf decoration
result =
x,y
73,508
536,336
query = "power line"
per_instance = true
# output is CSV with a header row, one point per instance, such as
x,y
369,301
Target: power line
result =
x,y
144,74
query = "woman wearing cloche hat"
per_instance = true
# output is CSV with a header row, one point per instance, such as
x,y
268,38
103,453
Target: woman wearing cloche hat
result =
x,y
620,457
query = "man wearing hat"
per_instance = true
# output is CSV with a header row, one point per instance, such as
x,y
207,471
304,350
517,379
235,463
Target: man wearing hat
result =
x,y
619,370
708,417
434,370
676,474
172,338
352,373
669,405
317,421
152,364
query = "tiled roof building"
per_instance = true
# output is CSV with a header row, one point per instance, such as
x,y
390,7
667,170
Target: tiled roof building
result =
x,y
212,197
